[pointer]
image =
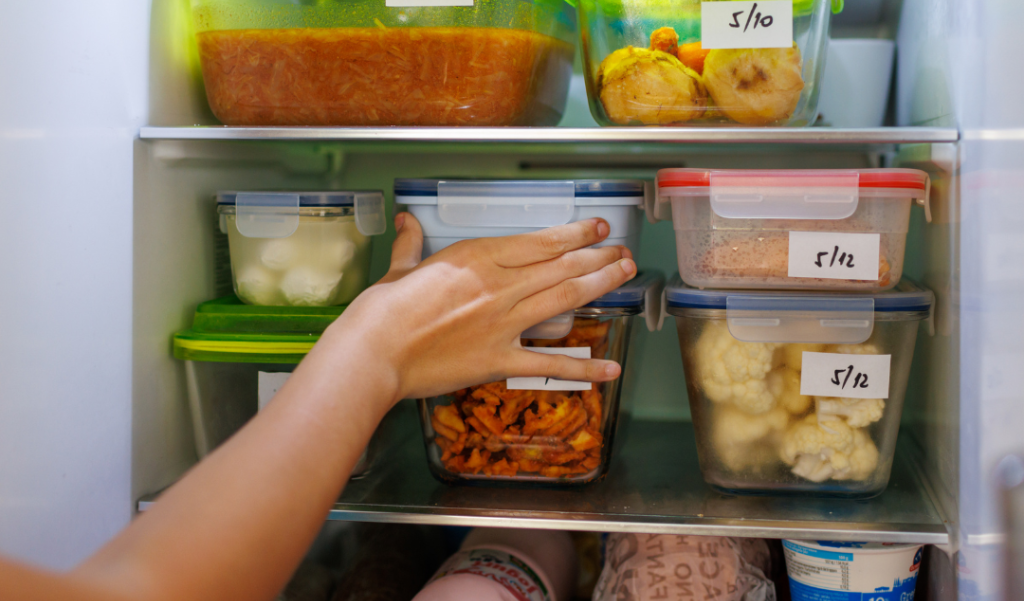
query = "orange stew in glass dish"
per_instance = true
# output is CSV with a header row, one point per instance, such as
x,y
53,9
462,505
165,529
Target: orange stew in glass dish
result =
x,y
384,76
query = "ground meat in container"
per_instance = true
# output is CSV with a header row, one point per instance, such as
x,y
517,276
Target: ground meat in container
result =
x,y
385,76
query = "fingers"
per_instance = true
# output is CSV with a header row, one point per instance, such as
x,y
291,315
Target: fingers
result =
x,y
574,264
542,245
407,250
573,293
529,363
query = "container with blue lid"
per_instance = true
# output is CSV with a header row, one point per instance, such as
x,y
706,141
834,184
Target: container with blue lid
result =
x,y
451,210
307,249
537,430
797,392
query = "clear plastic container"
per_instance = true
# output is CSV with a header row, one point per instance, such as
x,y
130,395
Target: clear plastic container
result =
x,y
454,210
812,229
308,249
236,357
394,62
797,393
688,62
559,433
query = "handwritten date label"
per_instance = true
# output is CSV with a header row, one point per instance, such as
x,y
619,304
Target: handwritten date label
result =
x,y
845,376
834,256
541,383
762,24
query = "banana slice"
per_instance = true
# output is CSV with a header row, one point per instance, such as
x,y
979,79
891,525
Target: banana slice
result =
x,y
755,86
649,87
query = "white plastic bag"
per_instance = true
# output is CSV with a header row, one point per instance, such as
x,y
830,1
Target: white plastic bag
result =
x,y
648,567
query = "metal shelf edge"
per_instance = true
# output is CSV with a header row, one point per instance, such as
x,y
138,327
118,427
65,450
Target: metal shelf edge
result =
x,y
568,135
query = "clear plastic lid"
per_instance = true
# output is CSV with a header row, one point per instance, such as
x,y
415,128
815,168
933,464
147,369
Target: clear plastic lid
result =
x,y
583,188
639,296
812,317
791,193
264,214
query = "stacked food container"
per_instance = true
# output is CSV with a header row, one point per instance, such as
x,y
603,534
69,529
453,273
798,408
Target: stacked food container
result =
x,y
371,62
796,329
237,356
688,62
534,430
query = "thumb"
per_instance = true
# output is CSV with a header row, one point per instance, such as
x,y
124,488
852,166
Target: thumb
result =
x,y
407,251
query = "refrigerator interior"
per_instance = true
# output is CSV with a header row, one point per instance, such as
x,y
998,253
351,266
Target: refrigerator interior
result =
x,y
962,410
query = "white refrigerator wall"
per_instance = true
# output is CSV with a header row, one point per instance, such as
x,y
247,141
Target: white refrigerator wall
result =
x,y
960,64
74,93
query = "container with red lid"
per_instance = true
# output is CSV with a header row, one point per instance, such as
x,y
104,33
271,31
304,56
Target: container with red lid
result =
x,y
812,229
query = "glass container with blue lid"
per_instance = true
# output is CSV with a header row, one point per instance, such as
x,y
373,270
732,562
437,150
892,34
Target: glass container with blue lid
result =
x,y
797,392
451,210
538,430
308,249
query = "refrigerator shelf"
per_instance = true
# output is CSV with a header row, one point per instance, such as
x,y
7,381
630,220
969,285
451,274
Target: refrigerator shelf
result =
x,y
565,135
654,486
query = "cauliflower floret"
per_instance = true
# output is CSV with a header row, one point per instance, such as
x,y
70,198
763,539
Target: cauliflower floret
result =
x,y
857,412
735,372
337,256
820,451
737,436
790,397
793,354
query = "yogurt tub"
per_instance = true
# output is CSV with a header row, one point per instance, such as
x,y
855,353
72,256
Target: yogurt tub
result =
x,y
309,249
840,571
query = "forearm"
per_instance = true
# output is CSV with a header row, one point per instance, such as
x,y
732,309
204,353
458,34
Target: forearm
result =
x,y
275,482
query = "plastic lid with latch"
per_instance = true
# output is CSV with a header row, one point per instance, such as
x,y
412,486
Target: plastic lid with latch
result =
x,y
784,316
515,203
787,194
276,214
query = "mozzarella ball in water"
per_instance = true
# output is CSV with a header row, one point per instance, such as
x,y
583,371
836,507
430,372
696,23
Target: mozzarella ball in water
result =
x,y
338,255
256,286
305,287
278,254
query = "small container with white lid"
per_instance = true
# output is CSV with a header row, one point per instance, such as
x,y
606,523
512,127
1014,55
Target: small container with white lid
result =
x,y
797,392
308,249
812,229
454,210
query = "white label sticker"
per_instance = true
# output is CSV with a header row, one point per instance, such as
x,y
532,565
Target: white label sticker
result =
x,y
834,256
541,383
269,384
418,3
845,376
763,24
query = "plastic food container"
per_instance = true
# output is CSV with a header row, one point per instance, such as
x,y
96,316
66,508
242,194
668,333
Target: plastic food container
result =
x,y
308,249
454,210
688,62
539,430
803,229
393,62
797,393
236,358
825,570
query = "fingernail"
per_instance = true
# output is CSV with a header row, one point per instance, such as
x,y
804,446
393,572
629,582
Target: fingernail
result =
x,y
611,370
399,221
628,266
602,228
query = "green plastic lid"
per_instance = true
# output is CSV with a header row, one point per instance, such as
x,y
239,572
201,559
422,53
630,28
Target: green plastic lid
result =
x,y
227,330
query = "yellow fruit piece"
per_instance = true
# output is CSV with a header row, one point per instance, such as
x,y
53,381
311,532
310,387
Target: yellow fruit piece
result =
x,y
758,86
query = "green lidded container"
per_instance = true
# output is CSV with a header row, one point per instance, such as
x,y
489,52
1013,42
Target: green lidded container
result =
x,y
236,356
